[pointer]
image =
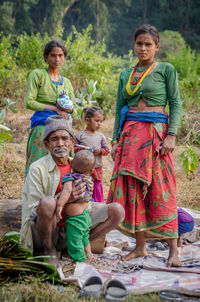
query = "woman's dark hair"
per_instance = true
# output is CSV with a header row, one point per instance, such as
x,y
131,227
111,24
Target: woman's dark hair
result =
x,y
90,111
52,44
147,29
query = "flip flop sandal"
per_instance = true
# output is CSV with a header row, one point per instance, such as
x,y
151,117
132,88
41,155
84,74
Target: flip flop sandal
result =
x,y
115,291
92,287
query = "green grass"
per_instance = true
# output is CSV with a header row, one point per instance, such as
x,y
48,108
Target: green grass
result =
x,y
31,290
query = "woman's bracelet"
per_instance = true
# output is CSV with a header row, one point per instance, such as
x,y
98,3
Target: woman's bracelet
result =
x,y
114,142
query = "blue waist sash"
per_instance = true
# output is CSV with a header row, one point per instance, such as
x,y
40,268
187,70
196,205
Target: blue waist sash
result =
x,y
147,117
39,117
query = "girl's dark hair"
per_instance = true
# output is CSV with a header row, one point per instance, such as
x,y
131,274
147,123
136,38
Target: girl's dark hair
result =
x,y
147,29
90,111
52,44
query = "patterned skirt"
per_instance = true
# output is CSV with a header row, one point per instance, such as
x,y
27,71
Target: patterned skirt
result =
x,y
144,183
35,146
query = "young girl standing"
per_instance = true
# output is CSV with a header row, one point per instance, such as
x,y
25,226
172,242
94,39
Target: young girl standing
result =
x,y
96,141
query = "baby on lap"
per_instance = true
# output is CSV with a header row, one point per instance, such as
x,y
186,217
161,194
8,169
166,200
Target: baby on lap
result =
x,y
77,215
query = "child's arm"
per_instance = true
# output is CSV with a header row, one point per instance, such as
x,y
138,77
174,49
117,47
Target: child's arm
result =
x,y
77,142
63,198
104,148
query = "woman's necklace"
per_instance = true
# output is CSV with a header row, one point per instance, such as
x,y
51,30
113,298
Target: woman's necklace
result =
x,y
54,78
143,69
139,80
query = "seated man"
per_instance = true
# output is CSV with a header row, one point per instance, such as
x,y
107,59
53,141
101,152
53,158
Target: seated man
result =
x,y
39,231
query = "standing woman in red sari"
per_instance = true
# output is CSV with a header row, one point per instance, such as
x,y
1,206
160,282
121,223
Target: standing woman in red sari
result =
x,y
143,179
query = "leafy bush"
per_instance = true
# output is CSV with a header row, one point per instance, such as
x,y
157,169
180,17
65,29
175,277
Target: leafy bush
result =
x,y
8,67
86,98
6,105
30,51
187,64
87,61
170,42
189,160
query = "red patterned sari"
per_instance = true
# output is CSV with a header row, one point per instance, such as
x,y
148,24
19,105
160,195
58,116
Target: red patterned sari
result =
x,y
143,181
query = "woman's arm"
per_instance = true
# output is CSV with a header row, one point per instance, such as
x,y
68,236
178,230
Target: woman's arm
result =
x,y
33,85
173,96
120,103
173,99
58,111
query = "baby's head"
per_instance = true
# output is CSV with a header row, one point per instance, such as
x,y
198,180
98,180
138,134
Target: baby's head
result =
x,y
83,162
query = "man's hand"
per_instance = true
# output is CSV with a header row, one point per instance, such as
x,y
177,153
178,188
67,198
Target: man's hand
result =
x,y
168,145
59,211
78,190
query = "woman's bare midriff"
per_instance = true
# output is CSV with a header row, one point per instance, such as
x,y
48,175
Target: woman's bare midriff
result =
x,y
142,107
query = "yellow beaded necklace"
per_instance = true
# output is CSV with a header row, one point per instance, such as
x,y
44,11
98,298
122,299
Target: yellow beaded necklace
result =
x,y
139,81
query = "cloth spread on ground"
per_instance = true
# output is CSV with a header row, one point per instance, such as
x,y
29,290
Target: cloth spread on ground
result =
x,y
143,274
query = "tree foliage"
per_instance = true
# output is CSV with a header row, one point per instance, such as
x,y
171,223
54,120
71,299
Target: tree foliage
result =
x,y
113,20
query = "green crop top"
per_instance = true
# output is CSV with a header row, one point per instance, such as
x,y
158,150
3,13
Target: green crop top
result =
x,y
41,91
156,89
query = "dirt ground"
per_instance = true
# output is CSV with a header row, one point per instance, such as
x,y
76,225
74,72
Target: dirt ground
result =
x,y
12,164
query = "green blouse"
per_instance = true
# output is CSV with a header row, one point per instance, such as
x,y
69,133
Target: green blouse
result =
x,y
158,88
41,91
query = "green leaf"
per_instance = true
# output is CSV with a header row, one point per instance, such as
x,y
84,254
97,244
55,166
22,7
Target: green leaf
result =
x,y
185,166
12,235
91,86
82,90
98,94
12,108
2,115
2,127
5,136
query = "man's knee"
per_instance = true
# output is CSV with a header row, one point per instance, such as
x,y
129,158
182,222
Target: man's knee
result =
x,y
47,206
116,211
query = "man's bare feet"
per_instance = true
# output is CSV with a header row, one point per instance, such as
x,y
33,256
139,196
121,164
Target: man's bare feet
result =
x,y
137,252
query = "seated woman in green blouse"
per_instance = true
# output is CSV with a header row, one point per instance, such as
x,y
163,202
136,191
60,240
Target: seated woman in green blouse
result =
x,y
143,179
44,87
